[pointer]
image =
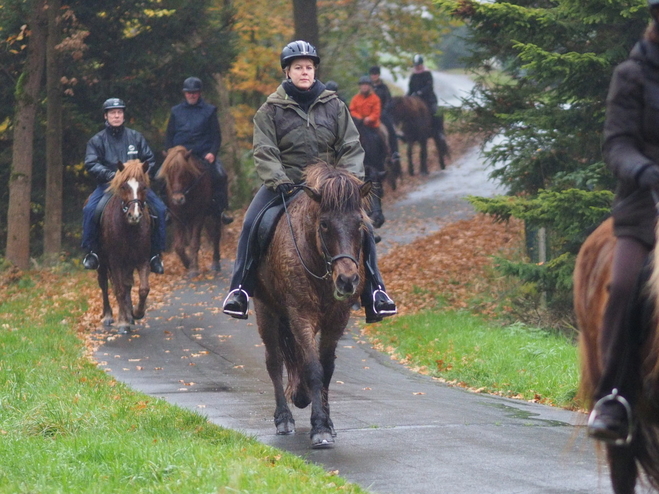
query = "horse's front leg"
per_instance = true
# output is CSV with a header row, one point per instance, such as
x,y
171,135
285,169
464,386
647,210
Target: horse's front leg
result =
x,y
102,275
622,465
215,233
122,294
195,243
410,162
321,429
143,274
327,359
181,236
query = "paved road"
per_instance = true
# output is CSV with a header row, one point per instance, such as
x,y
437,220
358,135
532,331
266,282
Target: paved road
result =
x,y
397,431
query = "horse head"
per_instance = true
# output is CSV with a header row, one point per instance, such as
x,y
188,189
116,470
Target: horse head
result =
x,y
180,173
130,184
339,224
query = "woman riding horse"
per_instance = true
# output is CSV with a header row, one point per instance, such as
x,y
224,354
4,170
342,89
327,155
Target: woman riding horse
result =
x,y
299,124
631,149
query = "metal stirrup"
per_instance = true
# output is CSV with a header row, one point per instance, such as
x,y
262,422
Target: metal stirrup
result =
x,y
615,396
381,312
230,312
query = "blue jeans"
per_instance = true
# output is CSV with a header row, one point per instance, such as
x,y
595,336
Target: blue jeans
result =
x,y
90,227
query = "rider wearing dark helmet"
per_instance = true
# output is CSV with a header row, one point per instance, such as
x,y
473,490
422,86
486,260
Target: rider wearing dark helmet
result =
x,y
422,85
381,89
631,150
117,143
300,123
193,124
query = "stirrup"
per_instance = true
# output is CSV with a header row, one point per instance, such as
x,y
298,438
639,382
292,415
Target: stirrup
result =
x,y
234,312
614,396
384,312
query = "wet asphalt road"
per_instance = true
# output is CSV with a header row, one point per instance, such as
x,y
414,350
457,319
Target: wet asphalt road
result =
x,y
398,432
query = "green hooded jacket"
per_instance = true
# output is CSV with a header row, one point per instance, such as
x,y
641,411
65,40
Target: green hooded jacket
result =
x,y
287,140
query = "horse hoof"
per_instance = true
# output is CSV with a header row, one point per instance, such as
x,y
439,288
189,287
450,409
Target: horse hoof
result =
x,y
322,440
107,322
193,273
216,267
286,428
125,329
137,316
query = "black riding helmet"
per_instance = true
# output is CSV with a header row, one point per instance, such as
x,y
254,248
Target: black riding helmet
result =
x,y
418,60
113,104
192,85
298,49
365,80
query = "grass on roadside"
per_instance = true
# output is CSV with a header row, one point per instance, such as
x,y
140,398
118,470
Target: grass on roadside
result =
x,y
67,427
461,348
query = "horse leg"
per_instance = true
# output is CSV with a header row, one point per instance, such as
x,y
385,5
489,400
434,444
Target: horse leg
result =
x,y
623,469
321,429
214,230
327,360
143,291
274,363
123,321
424,156
442,149
102,275
193,245
410,163
180,242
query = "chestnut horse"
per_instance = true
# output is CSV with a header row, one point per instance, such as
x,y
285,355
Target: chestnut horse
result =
x,y
412,114
125,243
308,278
189,194
592,276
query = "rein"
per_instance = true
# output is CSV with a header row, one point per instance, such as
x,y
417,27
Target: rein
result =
x,y
327,256
193,184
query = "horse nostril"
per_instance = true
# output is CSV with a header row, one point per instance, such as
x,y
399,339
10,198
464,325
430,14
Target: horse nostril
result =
x,y
347,284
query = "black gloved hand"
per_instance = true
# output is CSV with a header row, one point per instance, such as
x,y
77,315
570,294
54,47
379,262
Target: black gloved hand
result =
x,y
286,188
649,177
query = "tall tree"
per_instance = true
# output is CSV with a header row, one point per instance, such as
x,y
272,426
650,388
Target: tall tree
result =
x,y
305,18
20,180
52,233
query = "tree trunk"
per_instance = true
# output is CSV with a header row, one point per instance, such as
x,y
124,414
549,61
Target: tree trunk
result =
x,y
52,241
20,179
305,18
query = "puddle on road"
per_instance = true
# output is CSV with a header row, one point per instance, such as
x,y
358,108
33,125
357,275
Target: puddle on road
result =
x,y
516,413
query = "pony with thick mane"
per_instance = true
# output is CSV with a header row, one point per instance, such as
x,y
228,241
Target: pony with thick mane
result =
x,y
412,114
308,278
125,243
189,195
592,276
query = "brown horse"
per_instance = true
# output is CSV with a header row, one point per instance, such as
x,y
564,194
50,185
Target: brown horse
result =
x,y
412,114
592,276
189,194
309,277
125,243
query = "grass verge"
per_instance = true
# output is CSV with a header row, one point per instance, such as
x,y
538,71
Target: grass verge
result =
x,y
67,427
463,349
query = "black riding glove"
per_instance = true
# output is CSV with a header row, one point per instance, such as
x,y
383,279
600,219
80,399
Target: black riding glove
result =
x,y
649,177
286,188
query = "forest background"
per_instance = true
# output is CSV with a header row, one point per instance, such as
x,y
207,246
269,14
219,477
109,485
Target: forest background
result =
x,y
541,67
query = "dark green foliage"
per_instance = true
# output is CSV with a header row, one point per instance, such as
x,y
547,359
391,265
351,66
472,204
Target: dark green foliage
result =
x,y
543,70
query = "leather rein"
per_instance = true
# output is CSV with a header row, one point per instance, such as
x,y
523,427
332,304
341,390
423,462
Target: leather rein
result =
x,y
327,256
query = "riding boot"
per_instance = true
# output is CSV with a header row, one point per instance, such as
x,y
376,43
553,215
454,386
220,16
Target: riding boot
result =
x,y
611,419
236,303
155,260
91,261
220,199
377,304
375,205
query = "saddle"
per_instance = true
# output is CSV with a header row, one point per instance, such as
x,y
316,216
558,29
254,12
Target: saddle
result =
x,y
266,221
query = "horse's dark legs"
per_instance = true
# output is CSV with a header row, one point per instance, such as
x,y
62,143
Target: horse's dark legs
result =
x,y
442,149
193,248
214,229
122,294
410,162
143,291
181,240
424,157
327,360
622,465
321,430
102,275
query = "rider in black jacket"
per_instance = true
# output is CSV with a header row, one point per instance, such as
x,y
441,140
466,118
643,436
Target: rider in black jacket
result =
x,y
117,143
193,124
381,89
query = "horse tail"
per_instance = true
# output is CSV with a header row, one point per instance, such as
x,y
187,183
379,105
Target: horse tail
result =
x,y
296,388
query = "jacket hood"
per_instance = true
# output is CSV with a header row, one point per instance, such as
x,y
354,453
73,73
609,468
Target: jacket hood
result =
x,y
646,51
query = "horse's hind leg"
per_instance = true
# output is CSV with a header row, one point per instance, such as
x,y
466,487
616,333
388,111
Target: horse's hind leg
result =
x,y
102,276
143,291
622,465
442,149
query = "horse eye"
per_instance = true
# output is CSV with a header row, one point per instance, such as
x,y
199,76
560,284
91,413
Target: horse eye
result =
x,y
324,225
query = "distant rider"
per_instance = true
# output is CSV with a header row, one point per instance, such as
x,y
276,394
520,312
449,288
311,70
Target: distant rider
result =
x,y
381,89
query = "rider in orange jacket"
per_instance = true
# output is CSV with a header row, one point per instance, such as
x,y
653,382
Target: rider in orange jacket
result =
x,y
366,105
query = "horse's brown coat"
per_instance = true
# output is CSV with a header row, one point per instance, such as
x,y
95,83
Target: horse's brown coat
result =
x,y
300,318
189,195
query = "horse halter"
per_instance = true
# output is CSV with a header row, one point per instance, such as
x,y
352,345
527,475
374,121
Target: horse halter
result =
x,y
327,256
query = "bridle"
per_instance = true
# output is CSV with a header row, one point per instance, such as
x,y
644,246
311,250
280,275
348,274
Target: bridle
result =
x,y
125,206
193,184
327,256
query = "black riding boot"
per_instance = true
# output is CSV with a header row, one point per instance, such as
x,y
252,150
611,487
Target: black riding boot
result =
x,y
220,199
377,304
611,418
236,304
91,261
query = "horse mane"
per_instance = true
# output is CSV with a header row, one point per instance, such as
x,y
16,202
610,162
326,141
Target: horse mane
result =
x,y
178,158
339,189
132,169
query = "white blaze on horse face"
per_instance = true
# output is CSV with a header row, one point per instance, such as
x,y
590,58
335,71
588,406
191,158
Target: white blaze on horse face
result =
x,y
134,211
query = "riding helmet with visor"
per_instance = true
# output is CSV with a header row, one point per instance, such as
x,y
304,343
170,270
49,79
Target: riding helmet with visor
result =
x,y
192,85
113,104
298,49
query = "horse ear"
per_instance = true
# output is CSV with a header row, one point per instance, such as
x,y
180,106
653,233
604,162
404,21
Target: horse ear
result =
x,y
188,153
313,193
365,188
120,166
145,167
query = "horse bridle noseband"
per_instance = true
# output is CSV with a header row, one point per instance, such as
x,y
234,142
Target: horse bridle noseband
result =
x,y
327,256
125,206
